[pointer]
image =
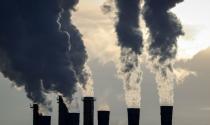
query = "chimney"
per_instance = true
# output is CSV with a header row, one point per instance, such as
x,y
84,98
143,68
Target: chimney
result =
x,y
62,112
166,115
35,108
74,118
38,118
44,120
103,117
88,107
133,116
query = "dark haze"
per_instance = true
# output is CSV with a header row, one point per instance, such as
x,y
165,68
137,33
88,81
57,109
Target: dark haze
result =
x,y
164,28
36,53
78,52
127,26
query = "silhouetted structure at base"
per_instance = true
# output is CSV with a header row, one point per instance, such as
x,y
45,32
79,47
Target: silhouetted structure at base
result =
x,y
103,117
88,110
38,118
64,117
74,118
166,115
133,116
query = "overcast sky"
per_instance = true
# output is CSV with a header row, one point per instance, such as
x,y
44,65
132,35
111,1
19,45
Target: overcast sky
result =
x,y
192,103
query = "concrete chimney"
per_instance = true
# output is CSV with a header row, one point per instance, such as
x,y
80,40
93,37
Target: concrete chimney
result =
x,y
62,112
38,118
133,116
88,110
166,115
44,120
74,118
35,108
103,117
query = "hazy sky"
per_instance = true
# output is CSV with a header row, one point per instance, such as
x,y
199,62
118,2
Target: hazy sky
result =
x,y
192,103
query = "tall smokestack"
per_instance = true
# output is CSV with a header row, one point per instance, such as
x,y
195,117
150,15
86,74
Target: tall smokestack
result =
x,y
166,115
44,120
103,117
38,118
74,118
35,108
88,108
133,116
62,112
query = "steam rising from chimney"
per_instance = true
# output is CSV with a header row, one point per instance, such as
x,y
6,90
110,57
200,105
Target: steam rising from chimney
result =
x,y
41,50
104,107
130,41
164,29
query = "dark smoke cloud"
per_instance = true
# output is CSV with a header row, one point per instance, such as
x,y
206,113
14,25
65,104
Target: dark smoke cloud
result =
x,y
78,51
127,26
130,42
164,28
35,53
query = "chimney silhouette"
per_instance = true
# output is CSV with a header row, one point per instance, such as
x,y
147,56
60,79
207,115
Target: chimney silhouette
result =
x,y
103,117
64,117
74,118
38,118
62,112
133,116
88,110
35,108
166,115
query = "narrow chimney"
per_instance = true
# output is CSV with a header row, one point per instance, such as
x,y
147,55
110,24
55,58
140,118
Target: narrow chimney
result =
x,y
166,115
133,116
44,120
103,117
74,118
35,108
88,112
62,112
38,118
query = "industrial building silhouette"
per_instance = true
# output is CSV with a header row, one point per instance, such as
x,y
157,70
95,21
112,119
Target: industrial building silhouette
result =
x,y
67,118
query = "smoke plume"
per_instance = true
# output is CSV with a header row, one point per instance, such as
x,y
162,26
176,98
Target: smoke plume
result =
x,y
103,107
164,28
130,42
78,52
36,51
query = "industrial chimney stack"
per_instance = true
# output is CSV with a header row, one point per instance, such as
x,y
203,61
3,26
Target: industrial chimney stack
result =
x,y
64,116
75,117
103,117
63,112
166,115
133,116
38,118
88,110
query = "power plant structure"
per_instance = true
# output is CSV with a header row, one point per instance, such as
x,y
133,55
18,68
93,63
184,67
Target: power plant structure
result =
x,y
88,110
103,117
133,116
38,118
166,113
65,117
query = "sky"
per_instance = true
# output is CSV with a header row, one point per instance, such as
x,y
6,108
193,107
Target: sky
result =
x,y
192,104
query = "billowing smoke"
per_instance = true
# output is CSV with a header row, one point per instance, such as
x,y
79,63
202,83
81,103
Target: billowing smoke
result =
x,y
130,42
78,52
104,107
36,51
164,28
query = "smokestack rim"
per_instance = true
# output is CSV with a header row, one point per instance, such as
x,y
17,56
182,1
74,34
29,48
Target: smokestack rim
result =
x,y
134,109
103,111
88,98
166,107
